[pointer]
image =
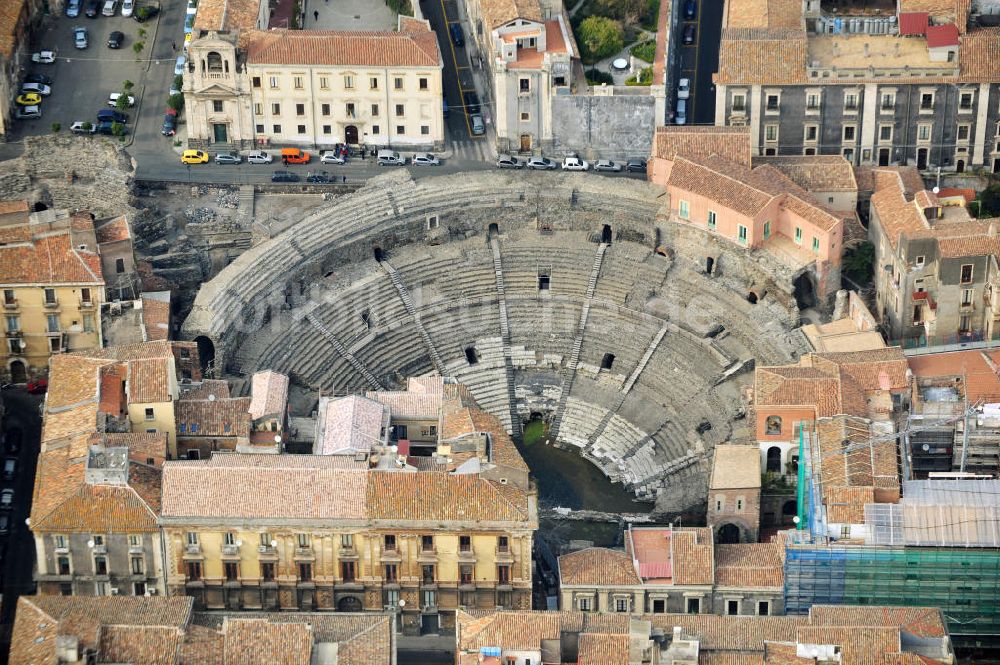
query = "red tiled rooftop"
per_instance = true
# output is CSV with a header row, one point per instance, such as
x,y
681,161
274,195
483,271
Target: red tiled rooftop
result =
x,y
913,23
942,35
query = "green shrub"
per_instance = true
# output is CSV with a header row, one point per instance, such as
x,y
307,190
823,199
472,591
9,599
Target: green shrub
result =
x,y
178,81
599,38
597,77
645,51
56,127
644,77
176,102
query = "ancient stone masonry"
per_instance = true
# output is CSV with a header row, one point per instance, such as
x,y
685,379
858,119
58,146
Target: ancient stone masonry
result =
x,y
514,286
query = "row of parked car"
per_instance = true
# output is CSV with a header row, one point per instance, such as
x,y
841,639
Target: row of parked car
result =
x,y
35,88
298,156
571,163
95,8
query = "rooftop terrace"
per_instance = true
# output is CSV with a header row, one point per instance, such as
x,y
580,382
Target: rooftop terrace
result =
x,y
858,53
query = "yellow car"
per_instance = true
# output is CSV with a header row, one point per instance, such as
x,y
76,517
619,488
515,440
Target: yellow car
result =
x,y
194,157
29,99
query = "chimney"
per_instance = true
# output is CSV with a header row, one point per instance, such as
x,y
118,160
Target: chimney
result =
x,y
836,49
866,49
678,633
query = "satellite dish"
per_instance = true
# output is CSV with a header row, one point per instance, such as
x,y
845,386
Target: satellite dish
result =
x,y
274,543
936,189
211,398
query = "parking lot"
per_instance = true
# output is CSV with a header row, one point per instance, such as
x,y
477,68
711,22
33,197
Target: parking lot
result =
x,y
698,61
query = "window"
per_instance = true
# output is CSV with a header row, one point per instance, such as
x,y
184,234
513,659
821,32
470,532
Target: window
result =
x,y
693,605
300,109
849,132
423,83
720,503
815,244
851,101
192,538
503,544
732,607
149,413
303,540
926,101
397,83
348,82
347,540
324,83
812,132
684,209
54,345
767,229
763,608
399,110
659,606
924,132
467,599
259,129
375,130
66,589
373,83
812,101
374,110
845,530
231,571
429,598
256,82
739,102
524,85
267,571
503,574
275,109
347,571
967,297
965,101
427,574
888,101
798,235
390,542
391,597
50,296
8,297
885,133
848,154
741,234
138,565
14,346
966,274
465,574
711,219
62,565
427,543
100,565
400,129
432,222
963,132
919,261
771,133
773,101
464,544
583,604
739,505
965,324
273,82
217,105
229,538
425,130
13,323
52,321
621,605
193,570
391,573
297,82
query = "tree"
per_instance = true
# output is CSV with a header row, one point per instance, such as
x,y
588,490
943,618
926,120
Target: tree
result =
x,y
599,37
990,201
176,102
629,11
127,86
859,264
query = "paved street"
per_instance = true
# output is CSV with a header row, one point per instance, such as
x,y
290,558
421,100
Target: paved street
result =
x,y
700,60
22,425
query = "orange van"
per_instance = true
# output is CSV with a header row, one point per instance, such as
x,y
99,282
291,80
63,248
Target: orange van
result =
x,y
294,156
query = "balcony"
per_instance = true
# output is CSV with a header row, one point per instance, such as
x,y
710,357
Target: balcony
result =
x,y
11,304
231,550
468,555
925,297
14,333
135,549
266,551
99,549
429,556
504,555
304,553
62,550
391,555
966,307
348,553
51,304
192,549
86,304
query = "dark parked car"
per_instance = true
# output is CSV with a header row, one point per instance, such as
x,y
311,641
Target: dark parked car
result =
x,y
457,38
284,176
169,124
107,128
636,166
12,440
320,177
40,79
115,39
93,8
690,9
689,33
471,100
111,115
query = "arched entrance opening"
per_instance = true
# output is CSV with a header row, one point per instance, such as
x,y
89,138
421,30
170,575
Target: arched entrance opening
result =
x,y
709,264
349,604
494,230
206,352
960,166
805,293
728,534
607,361
788,511
606,234
18,372
351,134
774,459
39,206
379,254
752,298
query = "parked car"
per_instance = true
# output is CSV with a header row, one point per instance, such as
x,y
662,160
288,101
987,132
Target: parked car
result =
x,y
107,128
115,39
27,112
39,88
115,96
4,525
179,65
509,162
284,176
636,166
12,440
194,157
457,38
471,101
259,157
83,127
689,33
295,156
541,164
144,13
38,78
189,24
321,177
6,499
681,116
80,38
112,115
425,159
683,88
93,8
44,57
228,158
331,157
690,9
478,127
575,164
607,165
128,6
29,99
389,158
73,8
110,8
38,386
169,127
9,468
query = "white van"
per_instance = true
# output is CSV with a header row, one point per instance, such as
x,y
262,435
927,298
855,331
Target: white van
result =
x,y
259,157
390,158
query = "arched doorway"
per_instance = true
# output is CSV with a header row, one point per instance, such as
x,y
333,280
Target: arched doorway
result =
x,y
805,293
39,206
18,372
494,230
960,166
206,352
709,264
606,235
728,534
378,253
788,511
921,158
752,298
774,459
349,604
351,134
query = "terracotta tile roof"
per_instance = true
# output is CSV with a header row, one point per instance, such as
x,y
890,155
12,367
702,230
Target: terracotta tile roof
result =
x,y
49,260
417,48
763,14
860,645
979,55
692,555
202,646
603,649
213,417
437,496
940,9
735,467
74,380
114,230
766,56
503,449
228,15
272,461
352,423
874,369
139,351
10,13
730,143
156,316
597,566
247,640
650,548
815,173
923,622
499,12
979,380
719,180
749,565
217,387
142,446
942,35
269,391
149,380
99,622
525,630
407,404
730,633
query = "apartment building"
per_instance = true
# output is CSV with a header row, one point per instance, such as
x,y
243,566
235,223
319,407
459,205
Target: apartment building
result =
x,y
907,83
249,88
674,570
937,267
52,284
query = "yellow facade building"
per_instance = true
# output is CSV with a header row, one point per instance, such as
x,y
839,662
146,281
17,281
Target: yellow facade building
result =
x,y
52,286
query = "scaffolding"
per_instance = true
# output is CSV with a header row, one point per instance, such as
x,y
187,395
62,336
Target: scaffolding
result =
x,y
938,513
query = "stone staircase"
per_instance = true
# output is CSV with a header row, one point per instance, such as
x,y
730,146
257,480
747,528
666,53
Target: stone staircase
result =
x,y
344,353
404,295
515,420
574,358
644,361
